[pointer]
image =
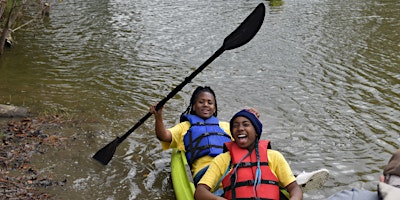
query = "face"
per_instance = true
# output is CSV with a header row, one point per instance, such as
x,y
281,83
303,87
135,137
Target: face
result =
x,y
204,106
244,132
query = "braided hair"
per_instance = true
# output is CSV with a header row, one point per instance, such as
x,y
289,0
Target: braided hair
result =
x,y
196,93
257,179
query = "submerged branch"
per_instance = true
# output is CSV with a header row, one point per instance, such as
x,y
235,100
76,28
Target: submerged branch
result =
x,y
14,13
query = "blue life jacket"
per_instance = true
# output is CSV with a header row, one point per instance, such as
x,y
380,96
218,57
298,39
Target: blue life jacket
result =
x,y
204,137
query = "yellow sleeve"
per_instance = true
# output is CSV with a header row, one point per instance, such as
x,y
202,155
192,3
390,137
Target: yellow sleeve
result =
x,y
226,127
280,167
177,132
217,169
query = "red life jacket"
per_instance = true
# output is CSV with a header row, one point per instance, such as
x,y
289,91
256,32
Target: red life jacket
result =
x,y
243,187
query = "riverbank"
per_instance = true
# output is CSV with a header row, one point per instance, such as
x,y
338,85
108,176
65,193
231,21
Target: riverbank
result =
x,y
14,12
21,138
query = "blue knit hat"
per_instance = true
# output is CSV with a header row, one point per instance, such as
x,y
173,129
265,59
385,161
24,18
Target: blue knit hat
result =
x,y
253,119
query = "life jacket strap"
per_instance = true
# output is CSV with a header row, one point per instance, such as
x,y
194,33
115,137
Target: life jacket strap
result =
x,y
250,164
249,183
196,150
204,124
208,134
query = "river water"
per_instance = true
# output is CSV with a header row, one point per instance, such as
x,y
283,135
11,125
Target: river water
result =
x,y
325,76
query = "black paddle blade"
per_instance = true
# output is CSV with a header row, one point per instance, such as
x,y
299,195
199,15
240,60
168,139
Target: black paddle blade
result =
x,y
247,29
105,154
243,34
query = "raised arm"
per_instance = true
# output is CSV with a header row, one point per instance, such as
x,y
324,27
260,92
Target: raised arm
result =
x,y
161,132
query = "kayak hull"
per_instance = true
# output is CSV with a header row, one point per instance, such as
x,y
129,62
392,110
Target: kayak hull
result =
x,y
181,176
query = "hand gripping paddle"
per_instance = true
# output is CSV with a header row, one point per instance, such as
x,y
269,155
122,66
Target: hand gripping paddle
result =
x,y
243,34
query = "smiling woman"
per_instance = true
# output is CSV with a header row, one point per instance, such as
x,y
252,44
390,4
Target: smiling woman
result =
x,y
250,166
246,129
200,134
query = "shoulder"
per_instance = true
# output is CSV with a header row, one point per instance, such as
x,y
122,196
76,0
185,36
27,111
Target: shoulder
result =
x,y
180,128
275,155
223,158
182,124
280,167
178,132
185,124
225,126
218,166
223,122
221,162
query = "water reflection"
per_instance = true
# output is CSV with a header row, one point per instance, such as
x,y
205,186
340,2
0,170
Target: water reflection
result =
x,y
323,74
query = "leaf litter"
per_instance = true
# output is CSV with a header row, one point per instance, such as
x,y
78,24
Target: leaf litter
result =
x,y
19,141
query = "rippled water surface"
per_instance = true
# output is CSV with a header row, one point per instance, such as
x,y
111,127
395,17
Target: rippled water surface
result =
x,y
325,76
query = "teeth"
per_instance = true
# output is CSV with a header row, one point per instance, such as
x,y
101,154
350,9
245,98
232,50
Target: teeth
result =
x,y
241,136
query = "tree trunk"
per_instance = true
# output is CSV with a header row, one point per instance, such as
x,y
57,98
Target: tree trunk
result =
x,y
3,6
4,34
6,29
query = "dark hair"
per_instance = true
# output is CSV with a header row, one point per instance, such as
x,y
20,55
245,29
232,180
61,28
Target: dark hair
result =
x,y
196,93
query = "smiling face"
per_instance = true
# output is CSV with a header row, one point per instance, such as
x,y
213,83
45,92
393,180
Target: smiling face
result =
x,y
204,106
243,132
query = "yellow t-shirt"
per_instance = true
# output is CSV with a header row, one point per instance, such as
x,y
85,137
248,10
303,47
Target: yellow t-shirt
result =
x,y
178,132
220,165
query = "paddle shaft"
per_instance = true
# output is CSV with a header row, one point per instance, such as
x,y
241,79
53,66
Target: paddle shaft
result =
x,y
240,36
173,92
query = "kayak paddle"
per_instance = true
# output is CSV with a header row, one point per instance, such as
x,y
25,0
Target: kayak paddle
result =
x,y
243,34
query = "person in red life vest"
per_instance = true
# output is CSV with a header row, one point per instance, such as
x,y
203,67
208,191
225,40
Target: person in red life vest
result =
x,y
249,169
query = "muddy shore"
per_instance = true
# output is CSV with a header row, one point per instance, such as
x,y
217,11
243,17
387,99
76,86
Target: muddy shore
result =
x,y
21,138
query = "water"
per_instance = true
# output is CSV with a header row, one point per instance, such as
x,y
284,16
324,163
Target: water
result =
x,y
325,76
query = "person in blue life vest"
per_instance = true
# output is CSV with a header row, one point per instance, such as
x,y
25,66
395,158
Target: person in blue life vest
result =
x,y
200,134
388,187
249,169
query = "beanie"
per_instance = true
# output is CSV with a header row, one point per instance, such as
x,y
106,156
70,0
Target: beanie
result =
x,y
253,119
